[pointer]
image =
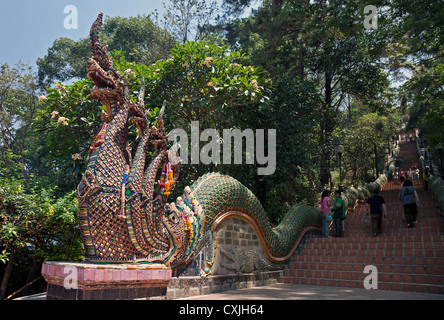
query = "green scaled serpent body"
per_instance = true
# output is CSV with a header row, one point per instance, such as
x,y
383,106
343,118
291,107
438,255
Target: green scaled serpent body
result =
x,y
222,196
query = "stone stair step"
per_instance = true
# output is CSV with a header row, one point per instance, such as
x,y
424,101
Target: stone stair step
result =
x,y
382,285
373,253
406,259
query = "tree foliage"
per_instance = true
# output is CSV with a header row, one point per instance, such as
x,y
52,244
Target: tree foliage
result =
x,y
185,18
422,56
138,37
67,122
18,107
370,136
32,217
201,81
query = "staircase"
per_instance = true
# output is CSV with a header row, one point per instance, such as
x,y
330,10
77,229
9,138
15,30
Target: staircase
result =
x,y
406,259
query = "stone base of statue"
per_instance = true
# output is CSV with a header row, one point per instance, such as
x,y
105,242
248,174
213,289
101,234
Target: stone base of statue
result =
x,y
91,281
189,286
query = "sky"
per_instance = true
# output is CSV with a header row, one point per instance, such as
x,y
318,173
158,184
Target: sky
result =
x,y
29,27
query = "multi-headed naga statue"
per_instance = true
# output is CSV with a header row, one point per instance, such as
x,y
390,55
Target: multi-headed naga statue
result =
x,y
124,214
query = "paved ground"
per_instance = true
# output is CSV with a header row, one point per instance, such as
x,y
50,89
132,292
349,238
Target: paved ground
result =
x,y
38,296
284,291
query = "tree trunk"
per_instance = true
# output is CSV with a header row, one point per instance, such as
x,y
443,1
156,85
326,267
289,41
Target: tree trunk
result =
x,y
24,287
325,175
276,7
30,274
327,126
7,274
301,62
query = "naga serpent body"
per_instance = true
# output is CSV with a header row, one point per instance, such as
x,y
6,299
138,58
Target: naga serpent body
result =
x,y
124,215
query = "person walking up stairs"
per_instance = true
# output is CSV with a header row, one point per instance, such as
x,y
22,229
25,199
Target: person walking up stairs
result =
x,y
400,258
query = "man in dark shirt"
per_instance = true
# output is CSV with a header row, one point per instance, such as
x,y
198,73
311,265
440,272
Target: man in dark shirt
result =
x,y
376,207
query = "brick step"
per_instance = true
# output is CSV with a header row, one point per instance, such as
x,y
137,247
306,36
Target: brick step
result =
x,y
391,201
382,285
387,230
360,275
381,239
358,226
404,259
404,231
395,216
391,232
398,222
359,267
368,246
352,275
425,200
352,253
407,259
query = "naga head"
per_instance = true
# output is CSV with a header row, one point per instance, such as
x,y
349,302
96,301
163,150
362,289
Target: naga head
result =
x,y
184,221
109,83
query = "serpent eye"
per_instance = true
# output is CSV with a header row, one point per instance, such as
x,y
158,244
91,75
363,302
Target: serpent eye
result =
x,y
172,217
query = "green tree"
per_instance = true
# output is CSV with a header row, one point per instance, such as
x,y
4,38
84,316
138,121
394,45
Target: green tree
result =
x,y
199,82
32,218
206,83
183,18
33,223
66,123
322,43
343,58
419,26
66,59
18,107
366,143
140,39
420,35
426,103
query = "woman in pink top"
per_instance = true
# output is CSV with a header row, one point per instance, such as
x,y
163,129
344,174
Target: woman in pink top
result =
x,y
325,203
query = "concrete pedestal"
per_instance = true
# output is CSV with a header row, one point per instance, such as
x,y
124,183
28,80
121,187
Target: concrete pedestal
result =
x,y
184,287
89,281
